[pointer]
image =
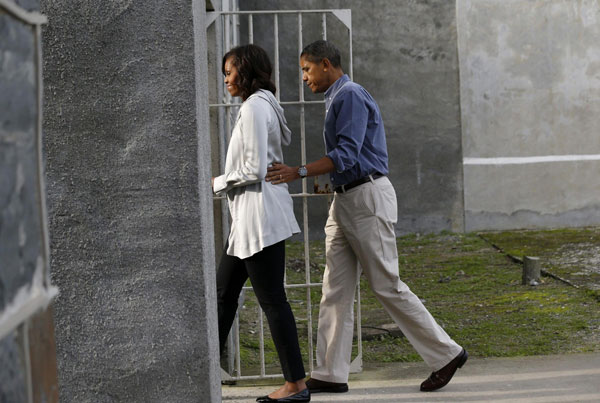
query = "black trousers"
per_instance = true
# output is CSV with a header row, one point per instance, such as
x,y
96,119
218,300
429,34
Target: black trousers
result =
x,y
265,269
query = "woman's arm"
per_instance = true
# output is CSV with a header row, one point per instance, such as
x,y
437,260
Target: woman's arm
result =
x,y
253,151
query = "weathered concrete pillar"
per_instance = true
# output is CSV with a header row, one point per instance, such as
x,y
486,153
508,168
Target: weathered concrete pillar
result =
x,y
531,270
130,202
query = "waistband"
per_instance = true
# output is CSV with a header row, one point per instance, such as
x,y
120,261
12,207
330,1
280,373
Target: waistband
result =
x,y
358,182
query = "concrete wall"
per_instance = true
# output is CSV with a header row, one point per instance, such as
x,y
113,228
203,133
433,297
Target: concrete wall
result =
x,y
405,55
530,87
129,193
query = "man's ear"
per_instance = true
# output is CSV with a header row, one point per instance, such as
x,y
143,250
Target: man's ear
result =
x,y
326,64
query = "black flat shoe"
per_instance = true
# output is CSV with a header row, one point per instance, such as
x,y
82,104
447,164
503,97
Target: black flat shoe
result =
x,y
302,396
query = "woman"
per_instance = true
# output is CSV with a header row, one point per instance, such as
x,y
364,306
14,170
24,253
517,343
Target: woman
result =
x,y
262,214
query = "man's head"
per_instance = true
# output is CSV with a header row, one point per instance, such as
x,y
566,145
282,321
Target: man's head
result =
x,y
320,64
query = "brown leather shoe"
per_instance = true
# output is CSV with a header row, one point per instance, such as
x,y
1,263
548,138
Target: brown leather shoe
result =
x,y
318,386
439,379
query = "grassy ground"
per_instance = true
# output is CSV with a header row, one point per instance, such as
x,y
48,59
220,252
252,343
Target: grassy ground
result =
x,y
471,288
571,254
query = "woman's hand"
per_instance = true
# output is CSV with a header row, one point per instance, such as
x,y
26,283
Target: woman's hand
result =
x,y
281,173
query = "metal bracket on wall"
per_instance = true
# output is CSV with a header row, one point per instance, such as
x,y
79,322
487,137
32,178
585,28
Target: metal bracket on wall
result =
x,y
28,17
345,16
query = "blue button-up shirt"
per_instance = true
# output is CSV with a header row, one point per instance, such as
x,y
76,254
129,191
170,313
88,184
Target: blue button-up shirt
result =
x,y
354,134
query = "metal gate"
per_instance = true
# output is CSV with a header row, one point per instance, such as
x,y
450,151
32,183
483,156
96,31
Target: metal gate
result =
x,y
27,348
227,34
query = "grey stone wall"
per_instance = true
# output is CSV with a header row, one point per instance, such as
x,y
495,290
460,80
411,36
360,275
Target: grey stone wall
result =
x,y
129,196
405,55
530,87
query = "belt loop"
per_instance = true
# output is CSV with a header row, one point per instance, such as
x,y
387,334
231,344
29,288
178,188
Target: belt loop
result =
x,y
343,188
371,179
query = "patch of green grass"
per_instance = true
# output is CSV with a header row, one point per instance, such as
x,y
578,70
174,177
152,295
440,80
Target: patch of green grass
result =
x,y
539,242
572,254
472,290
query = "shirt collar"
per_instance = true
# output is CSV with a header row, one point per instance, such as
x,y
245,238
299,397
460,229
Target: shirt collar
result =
x,y
335,86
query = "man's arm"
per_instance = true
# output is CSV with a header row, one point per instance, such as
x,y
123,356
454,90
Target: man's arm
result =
x,y
281,173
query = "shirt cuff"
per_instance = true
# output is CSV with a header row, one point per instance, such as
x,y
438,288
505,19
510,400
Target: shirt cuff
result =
x,y
220,185
334,156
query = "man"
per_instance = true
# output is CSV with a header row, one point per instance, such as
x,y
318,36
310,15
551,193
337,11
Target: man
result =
x,y
360,229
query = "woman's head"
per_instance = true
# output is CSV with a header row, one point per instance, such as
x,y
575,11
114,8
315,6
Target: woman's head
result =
x,y
247,69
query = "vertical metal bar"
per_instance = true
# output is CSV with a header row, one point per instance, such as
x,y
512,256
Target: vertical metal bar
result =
x,y
224,133
261,344
228,118
222,123
43,212
301,97
276,33
238,360
234,360
231,351
351,73
231,41
235,31
359,319
304,198
300,85
358,304
250,29
24,329
310,343
227,31
228,46
235,28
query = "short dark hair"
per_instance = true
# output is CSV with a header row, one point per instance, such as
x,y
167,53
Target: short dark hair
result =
x,y
254,69
321,49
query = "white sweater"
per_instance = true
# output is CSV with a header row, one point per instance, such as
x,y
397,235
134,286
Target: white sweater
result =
x,y
262,213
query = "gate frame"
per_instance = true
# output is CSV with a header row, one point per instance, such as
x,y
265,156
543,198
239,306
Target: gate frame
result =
x,y
30,314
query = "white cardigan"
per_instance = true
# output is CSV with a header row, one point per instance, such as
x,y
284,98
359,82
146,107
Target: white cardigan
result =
x,y
262,214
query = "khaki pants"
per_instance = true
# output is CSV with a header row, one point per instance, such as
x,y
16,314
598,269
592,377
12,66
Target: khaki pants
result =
x,y
360,229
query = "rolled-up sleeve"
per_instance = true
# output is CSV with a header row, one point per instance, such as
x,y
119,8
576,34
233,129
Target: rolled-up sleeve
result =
x,y
352,117
253,153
